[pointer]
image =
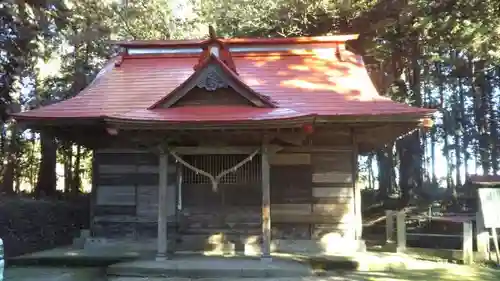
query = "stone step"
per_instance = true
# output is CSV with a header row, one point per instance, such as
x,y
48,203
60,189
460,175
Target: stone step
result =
x,y
211,267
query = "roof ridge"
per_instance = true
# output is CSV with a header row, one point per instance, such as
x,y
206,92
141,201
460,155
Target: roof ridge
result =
x,y
340,38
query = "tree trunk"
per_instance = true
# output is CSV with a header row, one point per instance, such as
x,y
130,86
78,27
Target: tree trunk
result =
x,y
68,167
47,180
409,148
385,167
371,181
457,125
77,172
494,119
433,155
481,90
7,186
464,127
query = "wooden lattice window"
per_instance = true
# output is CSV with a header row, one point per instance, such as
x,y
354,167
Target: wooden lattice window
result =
x,y
214,164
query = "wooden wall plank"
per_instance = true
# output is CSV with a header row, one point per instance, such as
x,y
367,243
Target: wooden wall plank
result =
x,y
328,162
333,177
120,151
117,196
312,218
291,184
117,169
291,209
118,172
128,169
105,210
332,209
147,201
127,179
127,158
290,159
319,192
333,200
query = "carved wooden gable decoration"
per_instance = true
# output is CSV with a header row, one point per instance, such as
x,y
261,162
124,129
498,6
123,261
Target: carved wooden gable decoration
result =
x,y
213,83
215,87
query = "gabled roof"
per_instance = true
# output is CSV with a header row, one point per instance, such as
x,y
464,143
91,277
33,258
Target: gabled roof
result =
x,y
211,75
291,78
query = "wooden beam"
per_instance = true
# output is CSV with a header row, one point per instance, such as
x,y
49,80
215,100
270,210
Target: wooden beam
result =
x,y
316,149
162,208
266,203
200,150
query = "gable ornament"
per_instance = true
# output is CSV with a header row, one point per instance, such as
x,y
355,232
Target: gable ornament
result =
x,y
212,81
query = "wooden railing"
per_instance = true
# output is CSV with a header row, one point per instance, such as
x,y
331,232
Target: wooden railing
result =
x,y
466,254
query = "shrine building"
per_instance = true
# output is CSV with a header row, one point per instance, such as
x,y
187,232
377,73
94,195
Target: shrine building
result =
x,y
238,145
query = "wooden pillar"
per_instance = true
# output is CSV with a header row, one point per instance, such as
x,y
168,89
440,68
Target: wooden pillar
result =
x,y
389,226
266,204
357,190
401,231
162,208
467,243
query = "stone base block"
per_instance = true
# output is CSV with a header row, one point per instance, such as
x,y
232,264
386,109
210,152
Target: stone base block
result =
x,y
222,248
79,242
320,247
95,242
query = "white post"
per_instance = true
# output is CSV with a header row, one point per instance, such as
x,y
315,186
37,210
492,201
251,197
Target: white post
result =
x,y
389,226
401,231
266,205
482,237
495,243
162,208
467,242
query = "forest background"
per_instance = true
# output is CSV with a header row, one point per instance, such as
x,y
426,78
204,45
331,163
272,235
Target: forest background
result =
x,y
440,54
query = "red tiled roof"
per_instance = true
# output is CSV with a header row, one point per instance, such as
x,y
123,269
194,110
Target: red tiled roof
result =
x,y
300,83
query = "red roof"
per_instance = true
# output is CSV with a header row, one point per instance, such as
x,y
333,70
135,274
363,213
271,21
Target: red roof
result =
x,y
299,82
212,113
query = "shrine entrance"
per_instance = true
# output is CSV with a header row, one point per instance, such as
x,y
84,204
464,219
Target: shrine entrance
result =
x,y
232,206
220,195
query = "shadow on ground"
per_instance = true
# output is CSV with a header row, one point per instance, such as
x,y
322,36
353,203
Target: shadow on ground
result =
x,y
440,273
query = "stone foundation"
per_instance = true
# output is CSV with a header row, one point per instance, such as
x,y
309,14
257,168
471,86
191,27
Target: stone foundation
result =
x,y
328,245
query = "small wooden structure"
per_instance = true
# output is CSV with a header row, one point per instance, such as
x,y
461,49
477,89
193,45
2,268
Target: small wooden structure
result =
x,y
248,138
483,217
466,253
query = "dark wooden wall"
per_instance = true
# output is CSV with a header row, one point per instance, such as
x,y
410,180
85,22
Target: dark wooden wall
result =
x,y
312,194
125,193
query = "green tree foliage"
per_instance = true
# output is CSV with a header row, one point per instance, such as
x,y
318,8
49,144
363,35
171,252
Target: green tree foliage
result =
x,y
442,54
